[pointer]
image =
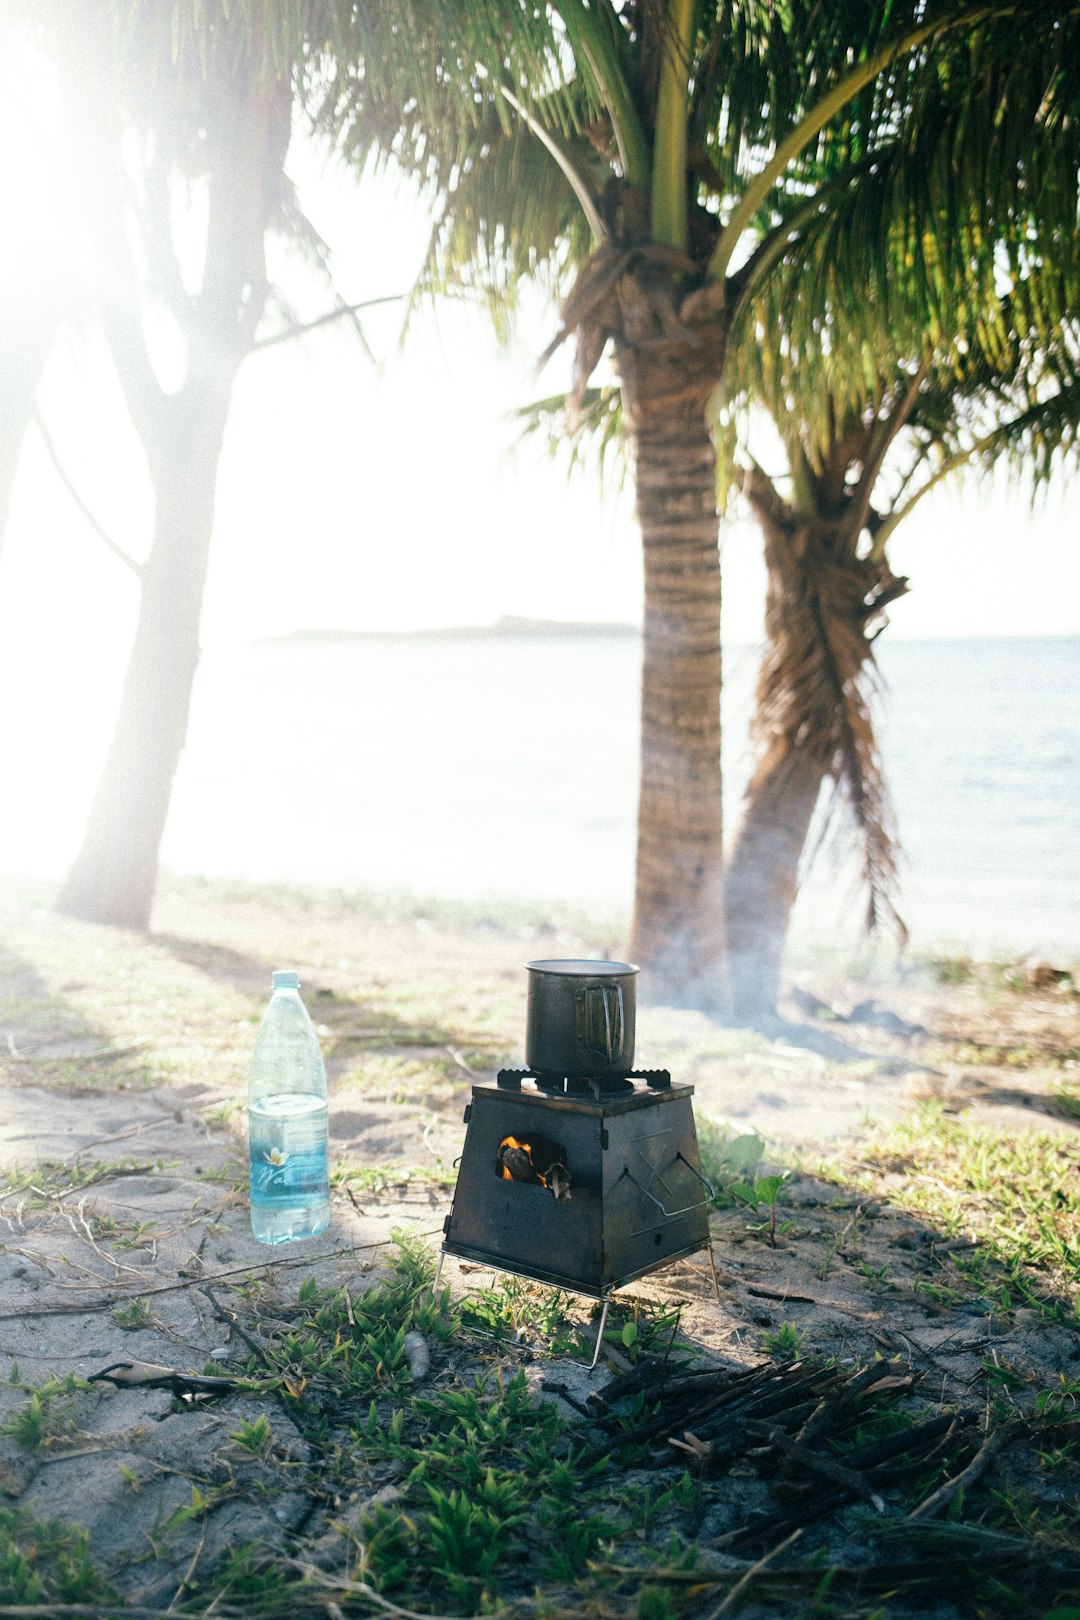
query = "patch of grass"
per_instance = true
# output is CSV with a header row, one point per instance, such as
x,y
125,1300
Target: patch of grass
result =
x,y
482,1463
407,1080
46,1417
375,1180
992,977
482,1469
517,918
1025,1055
341,1347
44,1561
785,1342
257,1582
224,1116
24,1005
1016,1195
1066,1095
52,1180
513,1309
133,1317
950,969
519,1311
82,1076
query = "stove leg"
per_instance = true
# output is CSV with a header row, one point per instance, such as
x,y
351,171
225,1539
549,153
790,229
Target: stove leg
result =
x,y
600,1333
712,1268
438,1273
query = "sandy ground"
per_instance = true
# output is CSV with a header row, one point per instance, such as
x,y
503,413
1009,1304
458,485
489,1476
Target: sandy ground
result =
x,y
412,1010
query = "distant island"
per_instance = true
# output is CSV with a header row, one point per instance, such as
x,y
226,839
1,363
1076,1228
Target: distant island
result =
x,y
508,627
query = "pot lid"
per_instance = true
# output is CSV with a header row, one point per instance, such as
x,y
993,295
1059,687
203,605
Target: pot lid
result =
x,y
571,968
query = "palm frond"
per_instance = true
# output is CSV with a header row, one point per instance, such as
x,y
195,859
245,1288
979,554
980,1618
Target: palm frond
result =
x,y
590,439
508,218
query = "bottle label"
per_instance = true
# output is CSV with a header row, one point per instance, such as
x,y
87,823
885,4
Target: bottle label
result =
x,y
287,1139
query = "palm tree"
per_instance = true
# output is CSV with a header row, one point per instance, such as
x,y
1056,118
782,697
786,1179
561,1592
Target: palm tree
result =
x,y
162,103
160,107
826,529
867,432
662,160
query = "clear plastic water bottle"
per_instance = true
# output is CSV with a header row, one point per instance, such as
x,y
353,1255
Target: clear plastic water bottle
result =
x,y
287,1122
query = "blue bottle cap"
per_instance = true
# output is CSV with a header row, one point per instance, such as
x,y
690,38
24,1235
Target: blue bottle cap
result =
x,y
286,981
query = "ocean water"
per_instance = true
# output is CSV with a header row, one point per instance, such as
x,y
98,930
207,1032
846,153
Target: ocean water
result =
x,y
508,767
498,767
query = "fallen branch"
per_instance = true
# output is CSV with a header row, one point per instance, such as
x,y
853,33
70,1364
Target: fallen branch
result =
x,y
755,1569
232,1320
975,1469
184,1386
784,1295
105,1302
849,1478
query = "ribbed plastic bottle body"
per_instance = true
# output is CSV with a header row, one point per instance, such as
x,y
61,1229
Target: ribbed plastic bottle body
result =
x,y
288,1151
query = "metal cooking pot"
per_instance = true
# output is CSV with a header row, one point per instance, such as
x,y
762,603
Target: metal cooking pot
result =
x,y
579,1019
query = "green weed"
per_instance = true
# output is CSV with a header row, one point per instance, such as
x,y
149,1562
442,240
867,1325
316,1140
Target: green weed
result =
x,y
1066,1097
519,1311
785,1342
51,1181
763,1193
255,1582
44,1562
255,1437
134,1316
375,1180
46,1416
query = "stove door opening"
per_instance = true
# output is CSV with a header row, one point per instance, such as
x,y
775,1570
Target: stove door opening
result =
x,y
537,1161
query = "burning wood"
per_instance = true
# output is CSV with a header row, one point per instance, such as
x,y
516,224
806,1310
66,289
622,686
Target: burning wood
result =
x,y
516,1160
540,1162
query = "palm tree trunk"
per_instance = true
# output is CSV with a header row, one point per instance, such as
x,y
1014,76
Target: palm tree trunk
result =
x,y
812,723
112,878
677,933
763,875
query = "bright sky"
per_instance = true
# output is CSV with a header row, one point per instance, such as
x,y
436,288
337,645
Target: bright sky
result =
x,y
357,497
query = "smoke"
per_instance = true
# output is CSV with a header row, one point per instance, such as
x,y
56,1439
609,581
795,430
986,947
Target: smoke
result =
x,y
845,1047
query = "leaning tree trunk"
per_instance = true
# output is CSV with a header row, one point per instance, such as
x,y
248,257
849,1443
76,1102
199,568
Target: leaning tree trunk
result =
x,y
677,933
813,724
112,879
113,876
763,874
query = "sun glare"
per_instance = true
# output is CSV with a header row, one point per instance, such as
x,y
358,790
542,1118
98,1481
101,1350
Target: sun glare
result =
x,y
35,188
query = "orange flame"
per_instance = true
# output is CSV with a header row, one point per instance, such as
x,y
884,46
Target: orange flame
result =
x,y
542,1152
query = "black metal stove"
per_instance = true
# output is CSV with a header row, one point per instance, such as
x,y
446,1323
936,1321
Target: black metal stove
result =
x,y
581,1180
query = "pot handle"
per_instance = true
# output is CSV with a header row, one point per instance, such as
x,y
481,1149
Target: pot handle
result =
x,y
603,1020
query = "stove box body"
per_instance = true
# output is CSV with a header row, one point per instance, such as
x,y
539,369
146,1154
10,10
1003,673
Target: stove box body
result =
x,y
637,1197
